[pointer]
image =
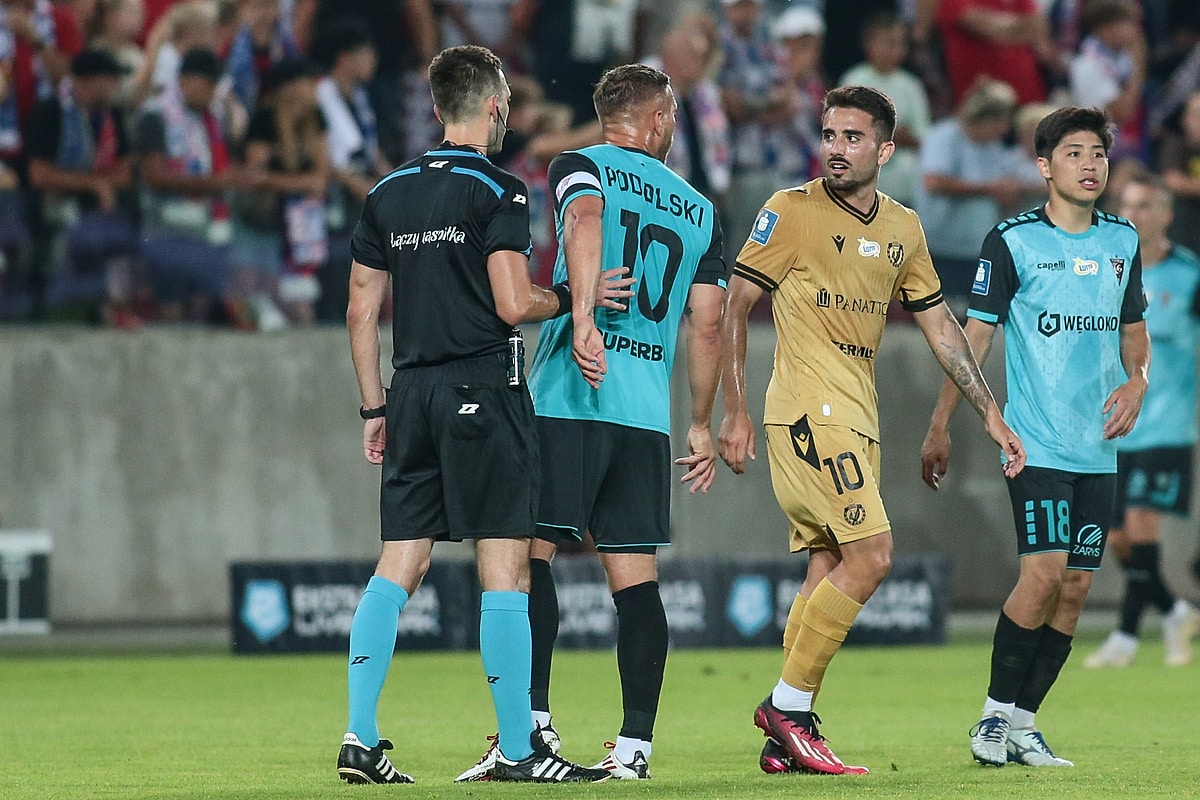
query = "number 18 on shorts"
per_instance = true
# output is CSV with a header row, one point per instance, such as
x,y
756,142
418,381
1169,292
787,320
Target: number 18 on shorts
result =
x,y
1063,512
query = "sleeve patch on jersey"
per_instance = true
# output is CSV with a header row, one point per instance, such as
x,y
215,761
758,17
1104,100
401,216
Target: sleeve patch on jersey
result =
x,y
574,179
983,277
764,226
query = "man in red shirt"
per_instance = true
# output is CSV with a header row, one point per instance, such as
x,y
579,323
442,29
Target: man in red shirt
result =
x,y
997,38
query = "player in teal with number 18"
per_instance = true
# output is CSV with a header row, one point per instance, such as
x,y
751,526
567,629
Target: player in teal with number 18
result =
x,y
606,461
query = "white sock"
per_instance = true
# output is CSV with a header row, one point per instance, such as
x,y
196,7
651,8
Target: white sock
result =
x,y
1023,719
1123,640
626,749
786,697
991,706
541,719
1180,609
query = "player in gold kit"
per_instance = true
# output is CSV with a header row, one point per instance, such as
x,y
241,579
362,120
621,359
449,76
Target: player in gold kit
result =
x,y
833,253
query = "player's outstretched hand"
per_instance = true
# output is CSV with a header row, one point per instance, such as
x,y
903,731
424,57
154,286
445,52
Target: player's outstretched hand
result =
x,y
736,441
374,439
587,348
614,287
702,463
1125,403
935,456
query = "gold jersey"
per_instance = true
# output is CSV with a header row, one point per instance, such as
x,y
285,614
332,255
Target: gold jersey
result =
x,y
831,271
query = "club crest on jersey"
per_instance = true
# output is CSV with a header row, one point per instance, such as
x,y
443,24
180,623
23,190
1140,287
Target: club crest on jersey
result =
x,y
983,277
1086,266
855,514
1118,265
895,253
764,226
868,249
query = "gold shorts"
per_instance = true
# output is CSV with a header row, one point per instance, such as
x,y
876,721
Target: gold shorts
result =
x,y
826,481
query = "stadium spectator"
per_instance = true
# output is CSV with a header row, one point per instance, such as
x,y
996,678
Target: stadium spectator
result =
x,y
115,27
1179,162
822,399
798,33
1110,71
483,22
968,183
1174,69
537,132
186,26
756,103
37,42
997,39
701,154
1069,412
16,301
280,230
436,456
1154,462
405,34
572,43
1033,185
347,51
885,42
844,26
263,39
187,173
80,165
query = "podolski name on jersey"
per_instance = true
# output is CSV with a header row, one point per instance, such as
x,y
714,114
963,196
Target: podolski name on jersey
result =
x,y
675,205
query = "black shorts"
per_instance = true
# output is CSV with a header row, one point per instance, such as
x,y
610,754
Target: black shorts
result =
x,y
1063,512
461,460
612,480
1159,479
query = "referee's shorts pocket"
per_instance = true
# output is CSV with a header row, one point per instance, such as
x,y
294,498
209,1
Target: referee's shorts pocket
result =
x,y
470,414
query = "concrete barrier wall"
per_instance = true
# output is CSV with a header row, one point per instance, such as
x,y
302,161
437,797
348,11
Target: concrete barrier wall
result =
x,y
156,458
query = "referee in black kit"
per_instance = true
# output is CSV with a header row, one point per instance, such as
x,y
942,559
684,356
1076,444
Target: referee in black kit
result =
x,y
456,436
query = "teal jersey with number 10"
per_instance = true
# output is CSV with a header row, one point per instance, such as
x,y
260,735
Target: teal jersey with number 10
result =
x,y
667,233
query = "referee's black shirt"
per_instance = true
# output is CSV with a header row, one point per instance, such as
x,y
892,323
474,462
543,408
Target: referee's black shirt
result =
x,y
432,224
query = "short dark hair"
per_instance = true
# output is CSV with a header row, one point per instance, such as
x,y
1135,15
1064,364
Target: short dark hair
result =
x,y
461,78
344,36
1142,176
625,88
1098,13
1059,124
881,21
871,101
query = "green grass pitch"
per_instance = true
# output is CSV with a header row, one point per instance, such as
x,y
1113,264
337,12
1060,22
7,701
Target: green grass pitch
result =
x,y
216,726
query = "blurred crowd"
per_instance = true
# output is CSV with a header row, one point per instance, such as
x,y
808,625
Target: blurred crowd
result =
x,y
206,160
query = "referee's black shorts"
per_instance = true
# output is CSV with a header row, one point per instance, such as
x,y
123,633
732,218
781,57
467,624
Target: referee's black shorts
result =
x,y
461,460
612,480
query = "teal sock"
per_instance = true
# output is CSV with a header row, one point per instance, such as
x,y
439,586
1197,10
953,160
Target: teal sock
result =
x,y
505,645
372,642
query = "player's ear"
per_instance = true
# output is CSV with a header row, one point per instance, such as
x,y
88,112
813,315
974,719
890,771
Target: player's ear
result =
x,y
437,113
885,152
1044,167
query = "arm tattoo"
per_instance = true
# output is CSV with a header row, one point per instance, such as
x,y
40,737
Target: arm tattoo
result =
x,y
954,354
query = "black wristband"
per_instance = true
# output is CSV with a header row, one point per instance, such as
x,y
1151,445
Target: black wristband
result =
x,y
372,413
563,292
